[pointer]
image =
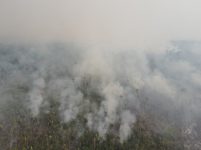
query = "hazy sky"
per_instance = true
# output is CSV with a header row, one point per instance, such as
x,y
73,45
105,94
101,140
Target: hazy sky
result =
x,y
140,23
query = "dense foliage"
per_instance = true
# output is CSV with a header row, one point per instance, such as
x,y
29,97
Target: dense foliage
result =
x,y
48,132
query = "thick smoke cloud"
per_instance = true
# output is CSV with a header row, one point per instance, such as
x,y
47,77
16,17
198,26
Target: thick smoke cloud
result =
x,y
125,66
106,88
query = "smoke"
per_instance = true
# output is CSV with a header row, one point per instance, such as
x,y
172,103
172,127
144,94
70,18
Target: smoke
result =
x,y
130,60
110,89
36,97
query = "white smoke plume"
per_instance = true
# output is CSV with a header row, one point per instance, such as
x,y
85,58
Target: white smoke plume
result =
x,y
107,88
36,98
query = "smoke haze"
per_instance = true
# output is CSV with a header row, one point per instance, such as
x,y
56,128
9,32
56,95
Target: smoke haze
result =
x,y
107,61
105,87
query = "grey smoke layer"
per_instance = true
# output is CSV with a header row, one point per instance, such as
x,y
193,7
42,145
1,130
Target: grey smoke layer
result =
x,y
106,87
